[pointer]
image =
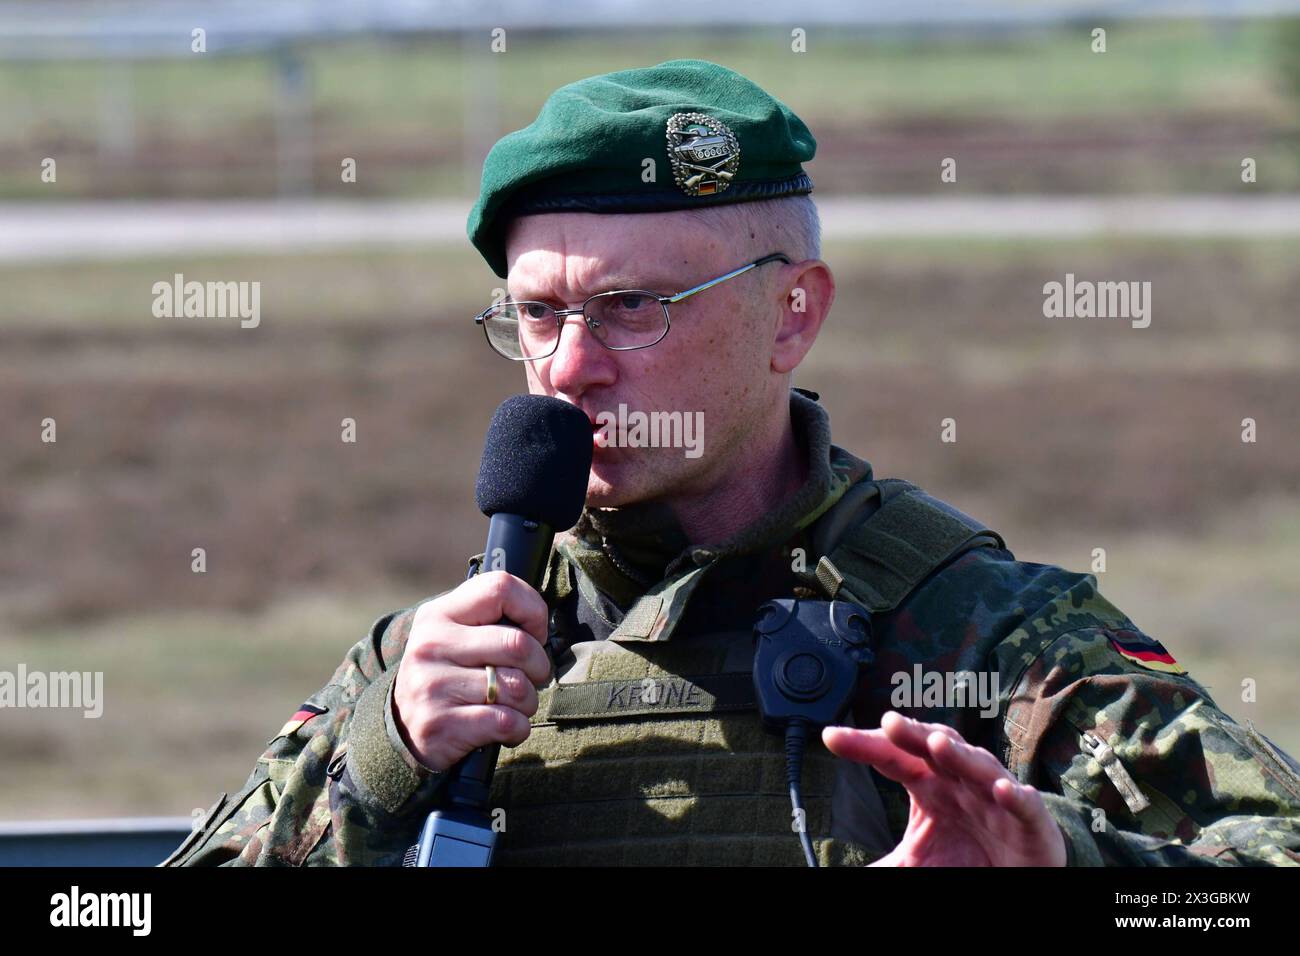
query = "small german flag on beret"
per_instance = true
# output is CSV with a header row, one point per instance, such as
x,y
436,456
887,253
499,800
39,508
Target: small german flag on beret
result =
x,y
1145,651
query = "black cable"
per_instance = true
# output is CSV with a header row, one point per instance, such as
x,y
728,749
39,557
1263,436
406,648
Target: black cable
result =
x,y
796,738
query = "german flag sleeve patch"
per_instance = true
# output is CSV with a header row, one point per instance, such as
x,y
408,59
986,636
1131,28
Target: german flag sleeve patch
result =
x,y
304,713
1145,651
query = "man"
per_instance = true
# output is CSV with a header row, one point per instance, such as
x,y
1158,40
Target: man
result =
x,y
662,255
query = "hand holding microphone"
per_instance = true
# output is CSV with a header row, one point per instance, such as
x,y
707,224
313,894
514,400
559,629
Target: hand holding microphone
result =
x,y
532,482
440,701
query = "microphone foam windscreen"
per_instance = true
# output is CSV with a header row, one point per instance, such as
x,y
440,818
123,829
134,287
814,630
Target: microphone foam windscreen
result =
x,y
536,461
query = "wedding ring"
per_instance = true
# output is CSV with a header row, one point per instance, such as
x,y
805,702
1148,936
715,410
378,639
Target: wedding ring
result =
x,y
491,683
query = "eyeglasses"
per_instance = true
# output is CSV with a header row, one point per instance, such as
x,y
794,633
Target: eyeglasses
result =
x,y
622,320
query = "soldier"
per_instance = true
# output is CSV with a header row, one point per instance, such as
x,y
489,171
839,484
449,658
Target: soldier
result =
x,y
661,252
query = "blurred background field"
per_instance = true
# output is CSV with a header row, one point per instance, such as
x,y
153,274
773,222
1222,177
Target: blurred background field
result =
x,y
1029,109
183,433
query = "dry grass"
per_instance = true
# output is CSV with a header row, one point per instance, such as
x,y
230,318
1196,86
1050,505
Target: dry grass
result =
x,y
174,435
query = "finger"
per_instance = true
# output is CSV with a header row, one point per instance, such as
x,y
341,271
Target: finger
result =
x,y
500,646
1040,833
1022,801
972,765
514,689
483,724
874,748
910,735
468,685
488,597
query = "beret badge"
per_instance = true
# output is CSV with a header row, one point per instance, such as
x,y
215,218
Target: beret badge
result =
x,y
704,153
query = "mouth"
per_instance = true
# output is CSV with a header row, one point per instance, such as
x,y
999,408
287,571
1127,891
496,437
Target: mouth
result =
x,y
603,426
605,436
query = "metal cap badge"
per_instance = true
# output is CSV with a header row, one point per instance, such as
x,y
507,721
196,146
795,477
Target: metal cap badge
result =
x,y
704,153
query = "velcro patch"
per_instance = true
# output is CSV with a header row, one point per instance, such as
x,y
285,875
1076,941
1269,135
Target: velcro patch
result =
x,y
1145,651
706,694
304,713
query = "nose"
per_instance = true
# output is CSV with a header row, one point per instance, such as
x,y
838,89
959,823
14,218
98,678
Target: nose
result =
x,y
579,361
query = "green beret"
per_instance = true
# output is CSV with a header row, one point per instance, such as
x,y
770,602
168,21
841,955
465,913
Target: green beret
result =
x,y
715,137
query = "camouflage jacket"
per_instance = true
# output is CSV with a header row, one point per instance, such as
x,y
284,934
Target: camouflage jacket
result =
x,y
1135,761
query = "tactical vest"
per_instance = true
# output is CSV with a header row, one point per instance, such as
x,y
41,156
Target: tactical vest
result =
x,y
653,753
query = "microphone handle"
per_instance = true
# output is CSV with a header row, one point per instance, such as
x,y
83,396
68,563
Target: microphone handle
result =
x,y
519,546
461,833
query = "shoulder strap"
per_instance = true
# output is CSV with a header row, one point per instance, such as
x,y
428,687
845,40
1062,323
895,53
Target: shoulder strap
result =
x,y
884,537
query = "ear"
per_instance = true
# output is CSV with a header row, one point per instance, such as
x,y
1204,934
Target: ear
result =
x,y
806,291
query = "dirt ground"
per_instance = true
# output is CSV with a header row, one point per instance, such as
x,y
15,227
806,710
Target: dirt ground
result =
x,y
1071,434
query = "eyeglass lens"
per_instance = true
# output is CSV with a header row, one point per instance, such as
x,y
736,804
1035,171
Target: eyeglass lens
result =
x,y
618,320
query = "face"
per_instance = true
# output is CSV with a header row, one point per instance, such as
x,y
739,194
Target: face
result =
x,y
716,358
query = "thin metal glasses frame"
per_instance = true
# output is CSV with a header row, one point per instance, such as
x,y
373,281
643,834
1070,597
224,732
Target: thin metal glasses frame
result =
x,y
663,300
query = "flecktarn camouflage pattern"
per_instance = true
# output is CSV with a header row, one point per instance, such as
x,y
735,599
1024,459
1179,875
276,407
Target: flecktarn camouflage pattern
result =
x,y
1135,761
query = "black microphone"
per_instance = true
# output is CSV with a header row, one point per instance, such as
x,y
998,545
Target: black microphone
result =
x,y
532,482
